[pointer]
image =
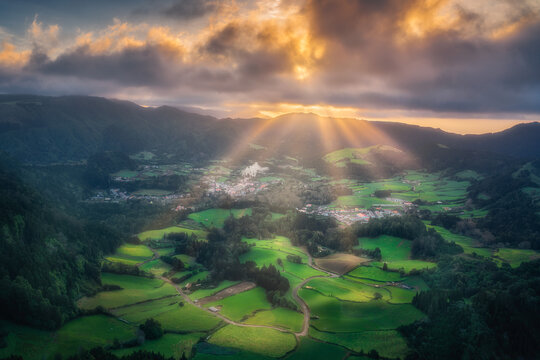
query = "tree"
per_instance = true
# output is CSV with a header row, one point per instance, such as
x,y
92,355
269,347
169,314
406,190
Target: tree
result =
x,y
152,329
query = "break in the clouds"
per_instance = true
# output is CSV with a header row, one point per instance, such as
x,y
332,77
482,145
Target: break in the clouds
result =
x,y
437,56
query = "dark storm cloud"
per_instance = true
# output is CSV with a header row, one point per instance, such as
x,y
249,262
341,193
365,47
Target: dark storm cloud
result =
x,y
141,66
190,9
370,60
446,70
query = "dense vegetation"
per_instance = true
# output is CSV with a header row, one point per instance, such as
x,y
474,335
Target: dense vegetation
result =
x,y
59,255
478,311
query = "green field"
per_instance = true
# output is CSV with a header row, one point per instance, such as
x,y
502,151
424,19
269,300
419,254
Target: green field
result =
x,y
316,350
199,294
343,316
406,265
469,245
343,289
388,343
395,253
266,252
515,257
156,267
84,332
158,234
340,158
126,173
374,273
238,306
281,317
392,248
263,341
170,345
216,217
131,254
134,289
170,314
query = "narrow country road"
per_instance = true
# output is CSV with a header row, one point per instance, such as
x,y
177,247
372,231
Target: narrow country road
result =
x,y
304,307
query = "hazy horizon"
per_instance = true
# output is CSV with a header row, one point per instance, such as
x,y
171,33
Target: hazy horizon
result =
x,y
462,66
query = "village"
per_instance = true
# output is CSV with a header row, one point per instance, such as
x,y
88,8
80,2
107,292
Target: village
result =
x,y
349,215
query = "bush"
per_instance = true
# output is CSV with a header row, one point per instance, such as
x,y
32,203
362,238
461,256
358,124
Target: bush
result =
x,y
152,329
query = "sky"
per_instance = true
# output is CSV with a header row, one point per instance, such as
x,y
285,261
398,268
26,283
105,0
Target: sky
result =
x,y
466,66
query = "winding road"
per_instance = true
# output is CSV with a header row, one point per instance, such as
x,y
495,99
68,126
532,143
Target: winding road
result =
x,y
305,308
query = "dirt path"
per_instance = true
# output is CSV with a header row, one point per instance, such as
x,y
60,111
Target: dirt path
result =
x,y
305,308
154,257
188,300
230,291
306,311
225,319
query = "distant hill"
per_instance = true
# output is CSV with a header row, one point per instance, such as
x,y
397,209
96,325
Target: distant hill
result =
x,y
38,129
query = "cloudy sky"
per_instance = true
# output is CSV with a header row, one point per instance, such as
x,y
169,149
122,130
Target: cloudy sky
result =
x,y
463,65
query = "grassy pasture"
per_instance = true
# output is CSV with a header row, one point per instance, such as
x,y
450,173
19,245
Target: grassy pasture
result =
x,y
216,217
170,345
469,174
343,316
316,350
134,289
84,332
170,314
126,173
392,248
346,290
339,263
156,267
240,305
165,251
284,318
199,276
406,265
131,254
263,341
266,252
158,234
515,257
465,242
374,273
199,294
388,343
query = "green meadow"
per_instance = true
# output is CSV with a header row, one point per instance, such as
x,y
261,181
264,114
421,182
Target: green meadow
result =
x,y
374,273
343,289
515,257
170,345
171,315
468,244
280,317
134,289
388,343
201,293
317,350
131,254
84,332
241,305
263,341
395,253
160,233
216,217
343,316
